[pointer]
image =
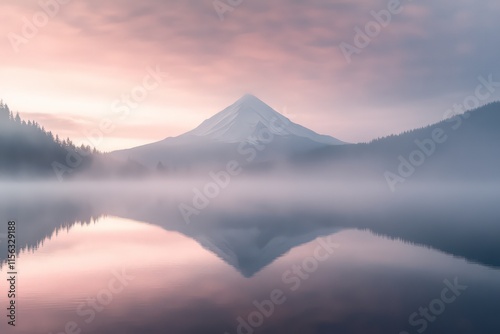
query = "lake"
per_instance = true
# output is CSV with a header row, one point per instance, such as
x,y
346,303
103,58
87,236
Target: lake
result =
x,y
262,257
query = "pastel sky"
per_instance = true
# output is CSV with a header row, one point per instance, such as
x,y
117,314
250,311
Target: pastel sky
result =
x,y
69,73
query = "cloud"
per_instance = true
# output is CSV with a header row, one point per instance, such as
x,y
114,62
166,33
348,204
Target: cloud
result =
x,y
283,51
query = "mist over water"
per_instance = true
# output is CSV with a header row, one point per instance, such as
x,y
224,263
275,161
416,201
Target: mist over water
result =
x,y
419,209
394,252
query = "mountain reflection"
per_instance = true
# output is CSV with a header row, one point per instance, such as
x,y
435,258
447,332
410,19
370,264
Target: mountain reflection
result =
x,y
249,229
176,286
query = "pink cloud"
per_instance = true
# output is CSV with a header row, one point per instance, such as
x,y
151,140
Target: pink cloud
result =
x,y
285,52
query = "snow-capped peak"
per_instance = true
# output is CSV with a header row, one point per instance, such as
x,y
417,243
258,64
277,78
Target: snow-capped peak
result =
x,y
247,118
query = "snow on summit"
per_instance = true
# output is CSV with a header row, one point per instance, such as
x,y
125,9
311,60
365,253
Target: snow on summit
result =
x,y
246,117
229,135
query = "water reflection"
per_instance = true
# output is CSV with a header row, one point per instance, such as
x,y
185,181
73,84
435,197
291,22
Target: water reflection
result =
x,y
173,285
249,228
207,276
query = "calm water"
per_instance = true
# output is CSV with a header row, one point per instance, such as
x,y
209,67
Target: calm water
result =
x,y
122,260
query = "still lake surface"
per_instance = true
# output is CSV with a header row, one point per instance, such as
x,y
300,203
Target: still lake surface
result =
x,y
121,259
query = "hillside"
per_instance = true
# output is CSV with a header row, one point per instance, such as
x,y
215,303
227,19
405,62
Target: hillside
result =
x,y
464,147
28,150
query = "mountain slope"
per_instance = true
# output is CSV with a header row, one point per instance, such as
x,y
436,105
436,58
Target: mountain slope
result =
x,y
468,149
246,118
248,125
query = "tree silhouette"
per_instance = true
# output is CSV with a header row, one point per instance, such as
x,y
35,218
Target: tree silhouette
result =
x,y
26,149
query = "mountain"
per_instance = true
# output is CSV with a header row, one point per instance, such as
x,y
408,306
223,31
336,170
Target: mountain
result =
x,y
246,118
248,130
464,147
461,148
